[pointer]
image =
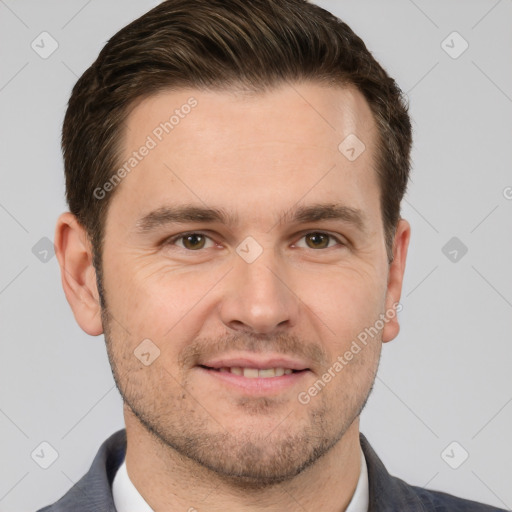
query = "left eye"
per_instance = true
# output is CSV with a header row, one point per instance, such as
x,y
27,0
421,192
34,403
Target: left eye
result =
x,y
319,240
198,241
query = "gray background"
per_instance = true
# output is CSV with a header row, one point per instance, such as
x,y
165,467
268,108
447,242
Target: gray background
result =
x,y
445,378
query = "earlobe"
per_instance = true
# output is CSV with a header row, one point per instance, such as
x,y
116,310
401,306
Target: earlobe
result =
x,y
78,276
395,280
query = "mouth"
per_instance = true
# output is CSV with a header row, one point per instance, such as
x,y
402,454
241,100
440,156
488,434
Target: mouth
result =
x,y
256,377
255,373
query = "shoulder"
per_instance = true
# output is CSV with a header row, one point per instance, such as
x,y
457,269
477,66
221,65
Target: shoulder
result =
x,y
93,492
437,501
388,493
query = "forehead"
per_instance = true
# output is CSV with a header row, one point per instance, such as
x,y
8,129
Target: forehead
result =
x,y
327,113
258,150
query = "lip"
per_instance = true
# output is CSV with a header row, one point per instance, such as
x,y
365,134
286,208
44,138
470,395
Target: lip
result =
x,y
256,362
257,386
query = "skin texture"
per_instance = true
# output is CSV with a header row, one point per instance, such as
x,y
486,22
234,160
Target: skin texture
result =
x,y
193,440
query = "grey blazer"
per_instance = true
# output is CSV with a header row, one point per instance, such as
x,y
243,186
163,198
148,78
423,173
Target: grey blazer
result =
x,y
93,492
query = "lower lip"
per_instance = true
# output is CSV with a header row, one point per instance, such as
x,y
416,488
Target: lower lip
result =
x,y
257,385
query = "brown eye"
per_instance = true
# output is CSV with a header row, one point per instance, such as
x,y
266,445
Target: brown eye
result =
x,y
194,241
317,240
191,241
320,240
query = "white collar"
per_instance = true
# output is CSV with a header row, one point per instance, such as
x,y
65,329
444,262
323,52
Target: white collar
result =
x,y
126,496
128,499
361,498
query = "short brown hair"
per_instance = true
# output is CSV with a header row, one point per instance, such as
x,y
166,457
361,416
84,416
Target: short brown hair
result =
x,y
222,44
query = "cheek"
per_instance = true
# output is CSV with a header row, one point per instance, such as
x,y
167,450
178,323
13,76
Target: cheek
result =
x,y
346,300
151,298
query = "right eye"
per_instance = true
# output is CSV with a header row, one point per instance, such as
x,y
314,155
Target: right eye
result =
x,y
192,241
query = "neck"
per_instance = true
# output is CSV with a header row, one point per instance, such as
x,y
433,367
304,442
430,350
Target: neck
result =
x,y
169,481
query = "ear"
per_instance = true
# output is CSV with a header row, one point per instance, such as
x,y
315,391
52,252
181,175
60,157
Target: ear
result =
x,y
395,278
78,276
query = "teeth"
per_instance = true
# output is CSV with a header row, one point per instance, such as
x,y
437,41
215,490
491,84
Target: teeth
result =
x,y
253,373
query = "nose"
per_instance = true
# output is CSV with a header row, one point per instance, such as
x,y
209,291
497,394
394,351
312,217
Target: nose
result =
x,y
258,297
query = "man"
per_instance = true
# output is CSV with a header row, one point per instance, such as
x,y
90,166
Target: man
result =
x,y
234,172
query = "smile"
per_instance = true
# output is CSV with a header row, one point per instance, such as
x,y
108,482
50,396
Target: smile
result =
x,y
254,373
251,381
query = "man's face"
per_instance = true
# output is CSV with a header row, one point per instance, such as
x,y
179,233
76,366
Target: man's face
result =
x,y
268,289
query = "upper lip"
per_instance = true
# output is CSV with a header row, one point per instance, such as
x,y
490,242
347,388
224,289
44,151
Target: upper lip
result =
x,y
252,361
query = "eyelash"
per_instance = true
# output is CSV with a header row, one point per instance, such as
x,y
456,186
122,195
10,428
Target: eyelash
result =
x,y
174,239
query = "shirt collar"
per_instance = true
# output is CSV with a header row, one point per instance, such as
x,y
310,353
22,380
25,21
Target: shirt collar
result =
x,y
126,496
361,498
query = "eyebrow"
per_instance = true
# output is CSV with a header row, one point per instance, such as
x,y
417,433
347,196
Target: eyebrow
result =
x,y
303,214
